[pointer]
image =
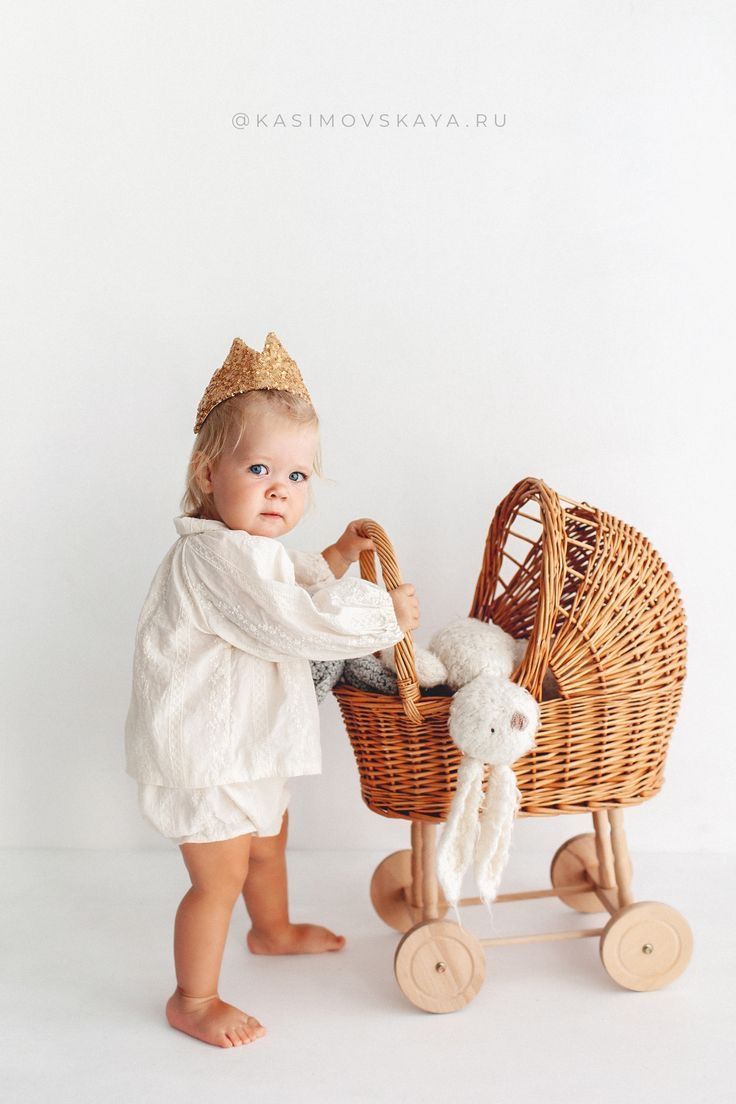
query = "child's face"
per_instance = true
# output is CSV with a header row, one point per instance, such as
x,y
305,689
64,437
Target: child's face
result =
x,y
267,475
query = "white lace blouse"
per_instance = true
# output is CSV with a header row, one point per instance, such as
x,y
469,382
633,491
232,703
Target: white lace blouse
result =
x,y
222,685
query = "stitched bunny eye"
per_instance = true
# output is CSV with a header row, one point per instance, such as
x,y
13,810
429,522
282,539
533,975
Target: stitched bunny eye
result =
x,y
493,732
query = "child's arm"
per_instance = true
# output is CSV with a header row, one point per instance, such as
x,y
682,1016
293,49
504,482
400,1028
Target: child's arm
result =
x,y
241,593
346,550
313,568
337,563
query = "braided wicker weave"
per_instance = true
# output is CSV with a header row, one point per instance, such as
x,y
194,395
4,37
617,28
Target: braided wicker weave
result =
x,y
600,611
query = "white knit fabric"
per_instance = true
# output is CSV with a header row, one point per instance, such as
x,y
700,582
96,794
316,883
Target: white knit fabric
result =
x,y
222,686
493,721
496,824
458,840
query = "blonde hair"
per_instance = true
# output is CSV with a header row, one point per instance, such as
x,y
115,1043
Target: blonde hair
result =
x,y
223,430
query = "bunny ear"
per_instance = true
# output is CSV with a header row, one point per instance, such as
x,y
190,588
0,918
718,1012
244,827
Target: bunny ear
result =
x,y
496,822
455,849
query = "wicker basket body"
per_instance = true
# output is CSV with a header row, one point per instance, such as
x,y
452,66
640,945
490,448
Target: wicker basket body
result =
x,y
601,614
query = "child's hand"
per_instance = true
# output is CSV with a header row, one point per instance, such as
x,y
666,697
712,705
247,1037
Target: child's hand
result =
x,y
353,542
406,606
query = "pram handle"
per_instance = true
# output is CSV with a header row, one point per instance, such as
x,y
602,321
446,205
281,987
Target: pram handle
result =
x,y
531,671
406,668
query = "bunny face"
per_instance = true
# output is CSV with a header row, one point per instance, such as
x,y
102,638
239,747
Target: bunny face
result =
x,y
468,647
493,720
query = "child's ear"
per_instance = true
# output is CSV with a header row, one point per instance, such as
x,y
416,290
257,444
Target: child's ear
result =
x,y
202,472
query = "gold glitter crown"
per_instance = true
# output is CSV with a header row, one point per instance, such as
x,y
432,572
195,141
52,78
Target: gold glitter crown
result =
x,y
246,370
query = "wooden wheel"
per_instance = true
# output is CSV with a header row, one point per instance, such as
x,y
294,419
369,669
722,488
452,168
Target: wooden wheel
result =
x,y
576,863
439,966
391,879
646,946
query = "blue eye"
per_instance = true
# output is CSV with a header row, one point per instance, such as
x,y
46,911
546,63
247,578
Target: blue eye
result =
x,y
303,477
256,466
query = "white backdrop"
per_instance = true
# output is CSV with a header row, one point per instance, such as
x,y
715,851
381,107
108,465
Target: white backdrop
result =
x,y
468,305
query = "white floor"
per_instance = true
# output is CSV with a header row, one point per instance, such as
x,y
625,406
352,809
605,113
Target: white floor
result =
x,y
87,966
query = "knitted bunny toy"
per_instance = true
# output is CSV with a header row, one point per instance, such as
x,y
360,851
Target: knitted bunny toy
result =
x,y
493,721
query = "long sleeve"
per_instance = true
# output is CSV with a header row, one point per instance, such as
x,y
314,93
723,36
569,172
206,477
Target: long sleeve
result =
x,y
310,568
246,593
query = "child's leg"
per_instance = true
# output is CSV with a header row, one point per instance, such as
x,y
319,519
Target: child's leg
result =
x,y
265,891
217,872
266,898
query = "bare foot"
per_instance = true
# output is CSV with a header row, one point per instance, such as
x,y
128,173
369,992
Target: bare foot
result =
x,y
296,939
211,1020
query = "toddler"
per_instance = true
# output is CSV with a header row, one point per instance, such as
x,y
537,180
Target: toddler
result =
x,y
223,710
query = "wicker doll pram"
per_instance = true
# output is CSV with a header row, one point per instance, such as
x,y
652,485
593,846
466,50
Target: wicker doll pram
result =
x,y
603,617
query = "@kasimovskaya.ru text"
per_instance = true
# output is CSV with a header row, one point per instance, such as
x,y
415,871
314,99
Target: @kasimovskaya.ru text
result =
x,y
265,121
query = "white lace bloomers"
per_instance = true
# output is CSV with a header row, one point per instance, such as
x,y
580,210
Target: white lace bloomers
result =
x,y
222,685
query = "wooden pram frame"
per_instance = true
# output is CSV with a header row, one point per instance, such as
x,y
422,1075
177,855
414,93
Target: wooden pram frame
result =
x,y
602,616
